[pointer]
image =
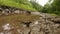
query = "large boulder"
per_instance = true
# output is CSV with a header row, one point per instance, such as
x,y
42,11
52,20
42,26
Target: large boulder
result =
x,y
57,20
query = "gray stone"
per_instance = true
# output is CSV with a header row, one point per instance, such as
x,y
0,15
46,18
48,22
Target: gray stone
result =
x,y
16,11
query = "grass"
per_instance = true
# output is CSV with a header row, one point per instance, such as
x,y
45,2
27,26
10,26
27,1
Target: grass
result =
x,y
16,4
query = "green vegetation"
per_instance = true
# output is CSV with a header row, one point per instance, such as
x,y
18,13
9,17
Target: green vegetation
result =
x,y
53,8
36,6
17,3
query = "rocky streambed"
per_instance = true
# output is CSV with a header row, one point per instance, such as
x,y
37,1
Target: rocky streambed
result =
x,y
46,24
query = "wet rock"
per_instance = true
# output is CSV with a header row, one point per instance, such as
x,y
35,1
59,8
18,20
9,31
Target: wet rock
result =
x,y
1,33
19,31
35,13
26,31
57,25
17,12
57,20
7,32
28,12
27,23
46,24
34,32
7,27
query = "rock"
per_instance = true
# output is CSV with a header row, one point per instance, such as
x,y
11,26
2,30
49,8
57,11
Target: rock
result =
x,y
46,24
0,9
34,32
1,33
3,12
35,13
27,23
7,27
7,32
57,20
19,31
24,30
28,12
16,11
57,25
